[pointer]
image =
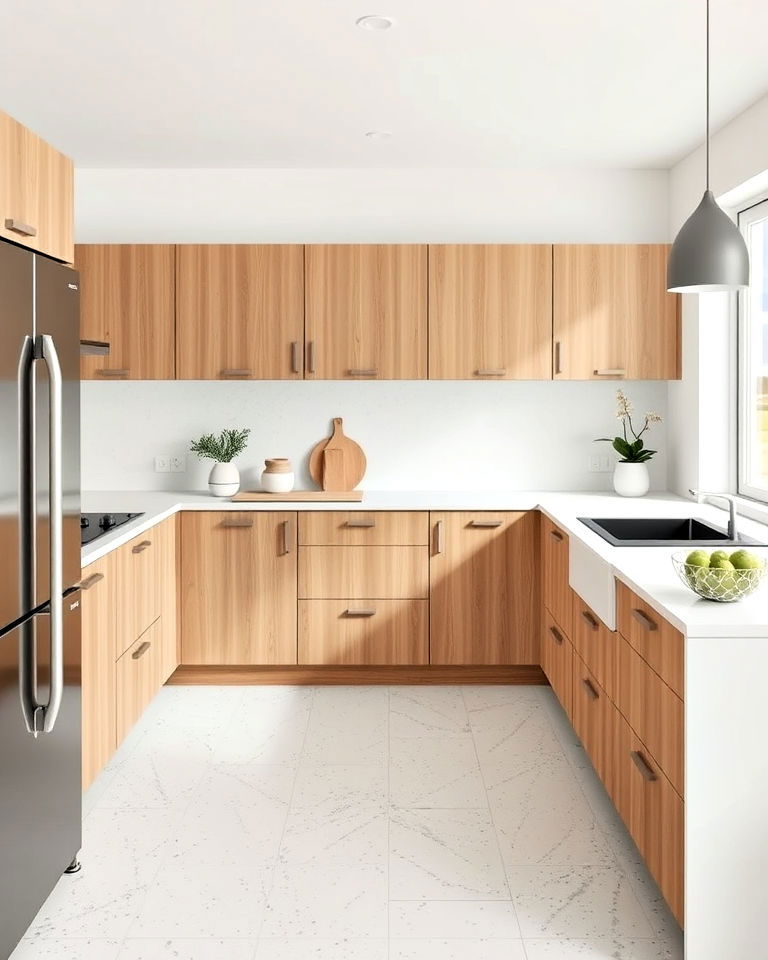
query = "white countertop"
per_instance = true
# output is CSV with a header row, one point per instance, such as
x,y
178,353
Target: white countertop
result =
x,y
646,570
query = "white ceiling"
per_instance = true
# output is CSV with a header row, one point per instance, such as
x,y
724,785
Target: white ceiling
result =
x,y
502,83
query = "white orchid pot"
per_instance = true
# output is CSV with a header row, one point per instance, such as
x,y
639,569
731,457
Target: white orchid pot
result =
x,y
224,480
631,479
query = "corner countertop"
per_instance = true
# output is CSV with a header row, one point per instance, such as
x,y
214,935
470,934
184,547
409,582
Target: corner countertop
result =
x,y
646,570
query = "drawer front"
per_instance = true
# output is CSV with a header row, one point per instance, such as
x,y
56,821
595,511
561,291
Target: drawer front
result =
x,y
591,719
556,590
653,710
364,632
653,637
138,677
595,644
358,573
356,528
557,661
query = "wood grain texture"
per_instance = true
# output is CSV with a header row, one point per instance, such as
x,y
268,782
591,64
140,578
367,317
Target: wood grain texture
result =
x,y
238,588
596,645
397,632
384,573
138,678
239,307
343,528
203,675
56,204
167,536
484,589
366,310
98,668
490,308
591,719
127,299
346,469
557,661
663,647
612,311
556,592
300,496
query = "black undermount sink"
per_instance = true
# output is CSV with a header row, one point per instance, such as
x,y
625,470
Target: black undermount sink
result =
x,y
662,532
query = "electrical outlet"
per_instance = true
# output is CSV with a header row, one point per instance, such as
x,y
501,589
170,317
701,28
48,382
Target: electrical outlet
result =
x,y
599,463
178,464
162,464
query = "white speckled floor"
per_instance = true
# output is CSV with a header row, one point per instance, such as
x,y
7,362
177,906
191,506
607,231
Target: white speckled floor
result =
x,y
353,823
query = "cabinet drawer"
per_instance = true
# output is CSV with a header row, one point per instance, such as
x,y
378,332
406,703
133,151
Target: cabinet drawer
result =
x,y
653,637
595,644
557,661
591,719
556,590
363,572
653,710
356,528
138,678
364,632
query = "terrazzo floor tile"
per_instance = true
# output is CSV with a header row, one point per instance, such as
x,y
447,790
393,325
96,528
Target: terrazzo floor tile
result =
x,y
427,711
456,950
449,774
164,949
602,949
37,949
322,949
453,919
348,725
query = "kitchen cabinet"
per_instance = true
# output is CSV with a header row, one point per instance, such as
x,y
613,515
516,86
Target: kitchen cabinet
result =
x,y
484,596
596,645
612,315
36,192
355,528
557,661
490,312
555,585
654,638
138,678
127,299
239,311
354,572
591,719
238,588
366,311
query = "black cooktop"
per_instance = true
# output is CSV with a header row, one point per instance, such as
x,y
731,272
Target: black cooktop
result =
x,y
94,525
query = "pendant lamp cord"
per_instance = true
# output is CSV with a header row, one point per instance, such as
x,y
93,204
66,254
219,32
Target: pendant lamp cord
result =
x,y
707,54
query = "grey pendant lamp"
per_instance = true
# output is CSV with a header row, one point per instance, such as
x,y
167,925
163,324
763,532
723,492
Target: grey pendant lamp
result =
x,y
709,253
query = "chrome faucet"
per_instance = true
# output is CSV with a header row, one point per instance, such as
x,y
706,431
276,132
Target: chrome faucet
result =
x,y
702,494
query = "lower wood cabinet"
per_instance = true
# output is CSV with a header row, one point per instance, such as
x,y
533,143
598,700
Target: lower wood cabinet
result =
x,y
555,577
591,716
138,677
595,644
484,597
364,572
557,661
238,588
656,640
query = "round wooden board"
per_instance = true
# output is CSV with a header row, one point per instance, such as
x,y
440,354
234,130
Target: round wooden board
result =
x,y
353,458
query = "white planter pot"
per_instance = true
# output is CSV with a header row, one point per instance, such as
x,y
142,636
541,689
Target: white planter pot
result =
x,y
277,482
224,480
631,479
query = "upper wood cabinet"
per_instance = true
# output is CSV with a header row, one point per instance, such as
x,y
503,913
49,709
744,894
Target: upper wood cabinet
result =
x,y
613,317
366,312
127,299
36,192
490,312
484,598
240,311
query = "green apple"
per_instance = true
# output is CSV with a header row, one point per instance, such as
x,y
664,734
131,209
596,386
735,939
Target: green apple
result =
x,y
744,560
698,558
721,563
719,555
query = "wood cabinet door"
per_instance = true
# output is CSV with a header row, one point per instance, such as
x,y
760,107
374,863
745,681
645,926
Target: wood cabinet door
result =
x,y
490,312
55,206
484,592
555,578
98,666
127,299
239,311
654,638
557,662
366,311
238,588
138,678
592,720
596,645
613,317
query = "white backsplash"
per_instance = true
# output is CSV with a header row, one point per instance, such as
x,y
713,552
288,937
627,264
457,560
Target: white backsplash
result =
x,y
417,435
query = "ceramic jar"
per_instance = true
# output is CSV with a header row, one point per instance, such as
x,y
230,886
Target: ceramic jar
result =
x,y
631,479
224,480
278,476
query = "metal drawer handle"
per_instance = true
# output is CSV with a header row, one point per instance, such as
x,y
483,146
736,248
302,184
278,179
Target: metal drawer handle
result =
x,y
587,617
558,351
237,372
439,537
105,372
646,770
590,688
91,581
492,372
361,522
611,372
295,357
18,226
556,636
485,523
646,622
310,356
141,650
556,535
236,524
372,372
141,547
360,612
286,525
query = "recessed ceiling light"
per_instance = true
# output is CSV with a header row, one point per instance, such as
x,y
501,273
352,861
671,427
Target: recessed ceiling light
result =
x,y
375,21
378,135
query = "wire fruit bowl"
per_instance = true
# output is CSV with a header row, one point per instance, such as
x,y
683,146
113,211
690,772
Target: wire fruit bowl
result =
x,y
712,583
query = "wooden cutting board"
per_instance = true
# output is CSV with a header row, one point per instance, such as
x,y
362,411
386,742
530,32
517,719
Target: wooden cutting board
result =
x,y
346,461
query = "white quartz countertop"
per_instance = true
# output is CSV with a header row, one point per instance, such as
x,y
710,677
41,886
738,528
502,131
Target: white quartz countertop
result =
x,y
646,570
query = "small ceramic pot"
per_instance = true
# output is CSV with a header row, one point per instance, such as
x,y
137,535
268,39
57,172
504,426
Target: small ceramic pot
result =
x,y
278,476
631,479
224,480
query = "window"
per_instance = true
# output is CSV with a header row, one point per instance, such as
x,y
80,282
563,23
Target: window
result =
x,y
753,358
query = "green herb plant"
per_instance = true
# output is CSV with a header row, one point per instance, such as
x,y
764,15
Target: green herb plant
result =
x,y
631,446
224,448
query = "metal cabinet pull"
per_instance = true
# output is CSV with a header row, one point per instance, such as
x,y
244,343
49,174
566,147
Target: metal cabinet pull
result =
x,y
646,770
141,650
556,636
310,356
141,547
295,357
558,351
646,622
360,612
439,537
611,372
105,372
587,617
286,525
360,522
492,372
556,535
485,523
237,372
236,524
91,581
590,688
18,226
372,372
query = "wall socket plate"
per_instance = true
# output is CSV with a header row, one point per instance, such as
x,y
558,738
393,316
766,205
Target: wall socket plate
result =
x,y
178,464
162,464
600,463
170,464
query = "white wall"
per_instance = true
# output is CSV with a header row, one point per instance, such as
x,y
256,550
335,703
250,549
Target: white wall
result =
x,y
417,435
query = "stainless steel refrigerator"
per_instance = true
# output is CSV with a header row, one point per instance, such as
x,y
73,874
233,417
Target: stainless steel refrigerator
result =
x,y
40,813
